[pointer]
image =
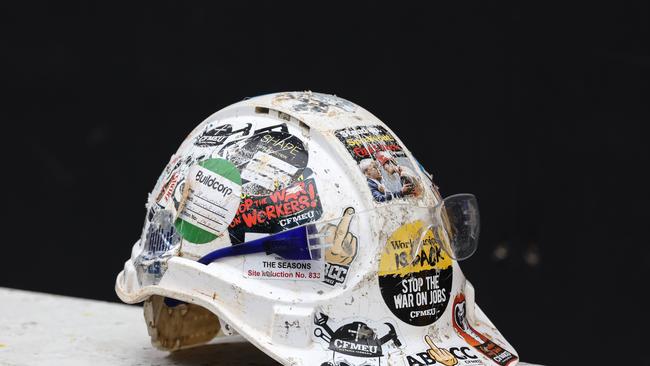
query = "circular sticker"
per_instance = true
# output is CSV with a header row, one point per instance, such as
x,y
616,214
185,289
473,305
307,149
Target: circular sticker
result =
x,y
210,200
415,286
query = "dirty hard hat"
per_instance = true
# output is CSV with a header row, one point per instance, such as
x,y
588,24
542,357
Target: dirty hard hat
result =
x,y
264,225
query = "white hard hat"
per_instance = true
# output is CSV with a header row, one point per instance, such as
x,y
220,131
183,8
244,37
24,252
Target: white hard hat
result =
x,y
274,221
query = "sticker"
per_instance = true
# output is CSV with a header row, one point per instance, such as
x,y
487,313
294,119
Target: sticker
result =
x,y
382,160
269,160
314,102
343,251
295,205
355,343
270,267
211,200
436,354
416,288
158,242
491,350
215,134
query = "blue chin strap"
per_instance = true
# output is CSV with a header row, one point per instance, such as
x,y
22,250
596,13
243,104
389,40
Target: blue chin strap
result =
x,y
301,243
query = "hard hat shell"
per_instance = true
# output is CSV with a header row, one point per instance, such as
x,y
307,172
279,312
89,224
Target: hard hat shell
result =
x,y
275,162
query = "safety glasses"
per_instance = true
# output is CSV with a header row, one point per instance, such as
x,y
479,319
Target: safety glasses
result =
x,y
453,225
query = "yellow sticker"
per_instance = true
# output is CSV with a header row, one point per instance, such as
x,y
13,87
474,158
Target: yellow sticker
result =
x,y
415,274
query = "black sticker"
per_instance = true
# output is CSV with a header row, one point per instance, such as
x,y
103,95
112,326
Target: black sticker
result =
x,y
295,205
415,286
217,135
355,339
269,160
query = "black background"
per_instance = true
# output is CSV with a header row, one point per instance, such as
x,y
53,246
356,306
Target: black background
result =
x,y
538,109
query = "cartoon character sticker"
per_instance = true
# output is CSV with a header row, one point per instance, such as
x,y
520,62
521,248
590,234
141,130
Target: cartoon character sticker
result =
x,y
415,275
355,343
445,356
343,251
491,350
382,160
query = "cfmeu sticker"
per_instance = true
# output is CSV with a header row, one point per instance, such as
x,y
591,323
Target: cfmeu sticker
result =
x,y
357,342
491,350
415,286
210,200
436,354
280,210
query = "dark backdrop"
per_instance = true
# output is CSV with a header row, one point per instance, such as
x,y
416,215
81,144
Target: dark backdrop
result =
x,y
539,110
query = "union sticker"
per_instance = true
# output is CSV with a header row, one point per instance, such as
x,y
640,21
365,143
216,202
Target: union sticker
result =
x,y
356,342
415,279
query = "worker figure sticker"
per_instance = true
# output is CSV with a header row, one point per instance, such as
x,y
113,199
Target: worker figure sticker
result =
x,y
357,343
415,277
383,161
480,342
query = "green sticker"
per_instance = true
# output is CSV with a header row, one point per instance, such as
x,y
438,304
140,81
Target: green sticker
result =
x,y
211,199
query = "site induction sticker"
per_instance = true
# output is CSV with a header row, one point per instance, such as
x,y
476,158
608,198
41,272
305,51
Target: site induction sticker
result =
x,y
415,286
211,198
270,267
491,350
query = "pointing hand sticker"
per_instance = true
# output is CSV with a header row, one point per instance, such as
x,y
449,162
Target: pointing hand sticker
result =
x,y
439,354
344,243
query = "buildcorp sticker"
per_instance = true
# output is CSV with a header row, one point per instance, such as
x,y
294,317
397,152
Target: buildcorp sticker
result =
x,y
415,280
210,200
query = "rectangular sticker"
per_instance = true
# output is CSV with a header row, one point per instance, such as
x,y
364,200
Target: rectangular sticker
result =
x,y
383,161
480,342
270,267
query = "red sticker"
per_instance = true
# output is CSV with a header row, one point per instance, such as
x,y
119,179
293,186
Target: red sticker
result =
x,y
491,350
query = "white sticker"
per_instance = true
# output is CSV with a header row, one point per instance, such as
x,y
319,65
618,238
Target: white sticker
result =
x,y
265,169
271,267
211,201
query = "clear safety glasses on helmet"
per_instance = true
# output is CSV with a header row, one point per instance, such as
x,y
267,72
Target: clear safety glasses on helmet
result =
x,y
452,225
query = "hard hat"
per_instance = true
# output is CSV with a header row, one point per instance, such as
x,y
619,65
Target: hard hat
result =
x,y
272,222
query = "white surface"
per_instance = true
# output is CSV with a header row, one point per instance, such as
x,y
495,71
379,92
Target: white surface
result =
x,y
43,329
